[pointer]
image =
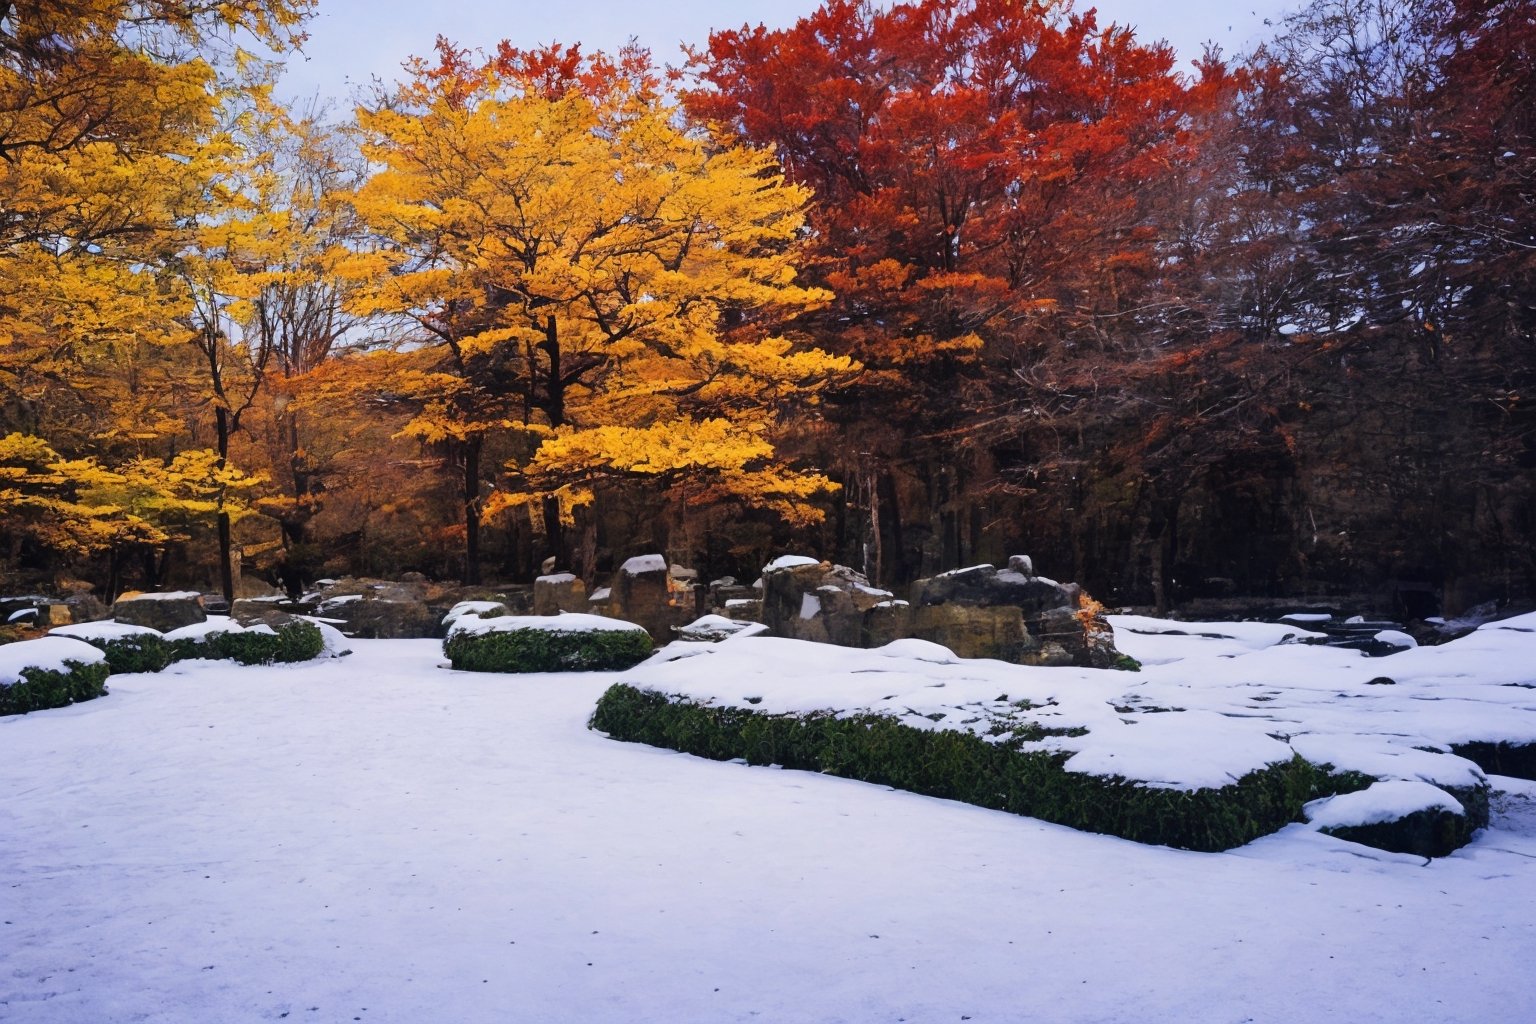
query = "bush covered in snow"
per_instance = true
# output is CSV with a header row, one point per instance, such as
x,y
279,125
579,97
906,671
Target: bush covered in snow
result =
x,y
128,647
960,765
292,641
49,673
545,643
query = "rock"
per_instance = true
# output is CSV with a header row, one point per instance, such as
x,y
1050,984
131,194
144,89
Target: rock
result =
x,y
819,601
642,593
248,611
714,628
412,577
982,585
1063,625
976,631
161,611
381,617
560,592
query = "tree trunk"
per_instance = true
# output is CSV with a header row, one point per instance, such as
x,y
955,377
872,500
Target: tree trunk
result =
x,y
472,511
226,536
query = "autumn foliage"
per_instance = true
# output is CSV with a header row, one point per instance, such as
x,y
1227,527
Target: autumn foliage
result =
x,y
910,285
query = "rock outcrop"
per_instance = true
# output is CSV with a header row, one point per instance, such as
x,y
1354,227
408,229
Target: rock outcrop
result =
x,y
160,611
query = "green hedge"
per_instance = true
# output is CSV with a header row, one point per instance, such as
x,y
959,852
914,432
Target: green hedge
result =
x,y
547,650
139,652
961,766
293,641
1434,832
1517,760
49,688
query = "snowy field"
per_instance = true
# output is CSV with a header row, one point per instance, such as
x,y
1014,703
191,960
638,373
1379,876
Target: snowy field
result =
x,y
380,839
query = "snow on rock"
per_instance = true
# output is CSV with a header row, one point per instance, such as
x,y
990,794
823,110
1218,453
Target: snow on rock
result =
x,y
560,577
470,608
1397,638
1520,623
166,595
1381,802
714,628
643,564
49,653
810,606
104,630
787,562
565,622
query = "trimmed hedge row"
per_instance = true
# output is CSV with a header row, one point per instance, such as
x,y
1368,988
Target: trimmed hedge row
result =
x,y
151,652
40,688
293,641
547,650
1517,760
1434,832
140,652
961,766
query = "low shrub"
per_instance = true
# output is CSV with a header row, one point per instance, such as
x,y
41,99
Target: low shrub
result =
x,y
292,641
41,688
1434,832
961,766
1517,760
139,652
538,649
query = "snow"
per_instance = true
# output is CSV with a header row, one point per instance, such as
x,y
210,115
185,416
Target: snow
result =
x,y
787,562
810,606
104,630
565,577
384,840
22,613
565,622
1307,617
49,653
643,563
1397,638
209,626
469,608
1380,802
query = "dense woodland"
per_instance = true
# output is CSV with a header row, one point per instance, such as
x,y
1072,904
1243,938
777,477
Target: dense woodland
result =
x,y
908,285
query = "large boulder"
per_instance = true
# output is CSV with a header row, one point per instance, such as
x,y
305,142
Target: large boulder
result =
x,y
160,611
559,592
972,611
832,604
643,593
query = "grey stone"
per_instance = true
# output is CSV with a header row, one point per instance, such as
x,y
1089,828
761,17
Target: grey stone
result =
x,y
163,612
560,592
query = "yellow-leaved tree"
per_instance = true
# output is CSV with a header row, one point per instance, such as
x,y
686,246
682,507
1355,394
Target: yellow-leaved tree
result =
x,y
595,278
110,146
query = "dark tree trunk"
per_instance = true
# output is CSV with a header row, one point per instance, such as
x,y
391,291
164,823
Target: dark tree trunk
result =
x,y
472,511
226,536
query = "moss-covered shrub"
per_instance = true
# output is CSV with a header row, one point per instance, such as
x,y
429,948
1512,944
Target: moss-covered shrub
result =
x,y
41,688
138,652
547,650
292,641
1428,833
961,766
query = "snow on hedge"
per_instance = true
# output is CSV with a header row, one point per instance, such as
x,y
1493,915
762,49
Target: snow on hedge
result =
x,y
49,653
1205,710
565,622
1381,802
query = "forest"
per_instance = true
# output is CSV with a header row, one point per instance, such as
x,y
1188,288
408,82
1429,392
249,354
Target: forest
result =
x,y
908,286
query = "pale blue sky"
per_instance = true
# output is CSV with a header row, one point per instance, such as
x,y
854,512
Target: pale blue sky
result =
x,y
353,40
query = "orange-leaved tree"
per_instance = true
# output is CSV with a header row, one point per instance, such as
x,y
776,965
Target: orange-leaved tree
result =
x,y
593,278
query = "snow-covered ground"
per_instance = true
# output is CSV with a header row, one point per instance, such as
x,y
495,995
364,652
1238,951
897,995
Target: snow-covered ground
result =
x,y
379,839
